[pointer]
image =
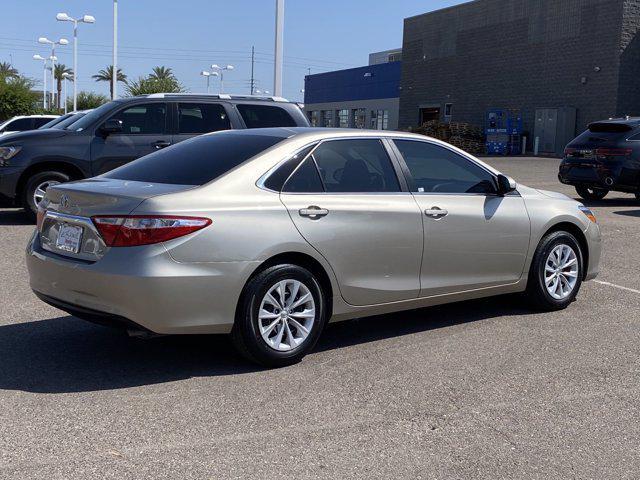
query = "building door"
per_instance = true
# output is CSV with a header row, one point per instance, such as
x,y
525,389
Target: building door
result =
x,y
546,129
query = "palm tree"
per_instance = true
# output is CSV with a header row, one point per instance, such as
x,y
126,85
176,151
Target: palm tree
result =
x,y
106,75
7,71
161,73
60,70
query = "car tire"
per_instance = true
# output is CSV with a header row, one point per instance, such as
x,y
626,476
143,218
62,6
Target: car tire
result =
x,y
293,336
637,196
39,182
545,270
591,193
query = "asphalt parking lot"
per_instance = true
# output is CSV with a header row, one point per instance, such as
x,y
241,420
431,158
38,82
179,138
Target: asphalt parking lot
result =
x,y
484,389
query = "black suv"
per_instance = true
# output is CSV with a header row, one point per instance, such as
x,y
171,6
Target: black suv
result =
x,y
124,130
604,158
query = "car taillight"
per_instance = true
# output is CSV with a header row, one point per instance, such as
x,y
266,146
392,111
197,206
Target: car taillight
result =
x,y
135,230
613,152
570,151
40,218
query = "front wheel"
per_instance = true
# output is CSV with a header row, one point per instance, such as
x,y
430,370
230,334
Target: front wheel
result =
x,y
36,188
280,317
556,272
591,193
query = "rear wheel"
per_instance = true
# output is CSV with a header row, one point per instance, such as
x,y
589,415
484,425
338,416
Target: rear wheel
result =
x,y
591,193
638,196
556,272
36,187
280,317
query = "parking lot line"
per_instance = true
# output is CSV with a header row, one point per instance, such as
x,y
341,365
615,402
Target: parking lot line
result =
x,y
617,286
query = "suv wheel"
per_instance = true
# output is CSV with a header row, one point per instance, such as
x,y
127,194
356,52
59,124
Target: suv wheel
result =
x,y
280,317
638,196
36,187
556,272
591,193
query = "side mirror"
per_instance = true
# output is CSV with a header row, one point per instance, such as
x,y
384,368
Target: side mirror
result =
x,y
506,184
113,125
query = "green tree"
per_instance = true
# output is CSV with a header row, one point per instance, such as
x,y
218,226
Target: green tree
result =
x,y
60,70
7,71
87,101
148,85
162,73
17,97
106,75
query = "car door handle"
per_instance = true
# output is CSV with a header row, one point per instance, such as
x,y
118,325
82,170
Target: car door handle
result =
x,y
161,144
436,212
313,212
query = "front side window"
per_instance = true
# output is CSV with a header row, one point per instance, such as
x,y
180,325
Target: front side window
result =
x,y
265,116
436,169
202,118
39,122
146,119
355,166
19,125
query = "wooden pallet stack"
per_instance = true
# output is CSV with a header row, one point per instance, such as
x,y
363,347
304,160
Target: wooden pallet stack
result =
x,y
466,136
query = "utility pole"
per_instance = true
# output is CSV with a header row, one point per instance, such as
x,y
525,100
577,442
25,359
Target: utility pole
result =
x,y
253,60
277,76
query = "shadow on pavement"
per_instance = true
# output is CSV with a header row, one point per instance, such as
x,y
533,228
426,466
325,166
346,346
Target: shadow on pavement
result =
x,y
14,216
628,213
611,202
63,355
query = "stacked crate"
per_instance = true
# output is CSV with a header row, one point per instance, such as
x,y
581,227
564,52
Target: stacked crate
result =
x,y
465,136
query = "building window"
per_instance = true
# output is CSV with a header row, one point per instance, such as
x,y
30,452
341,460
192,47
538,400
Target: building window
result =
x,y
380,119
448,109
343,118
359,118
314,118
327,118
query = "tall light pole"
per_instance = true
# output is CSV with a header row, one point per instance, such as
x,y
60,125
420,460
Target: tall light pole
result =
x,y
66,77
221,71
46,41
63,17
114,76
208,74
277,74
44,79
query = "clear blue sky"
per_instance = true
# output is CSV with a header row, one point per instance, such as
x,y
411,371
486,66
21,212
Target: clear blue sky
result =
x,y
190,35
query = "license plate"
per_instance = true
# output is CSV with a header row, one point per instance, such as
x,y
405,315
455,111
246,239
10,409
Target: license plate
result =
x,y
69,238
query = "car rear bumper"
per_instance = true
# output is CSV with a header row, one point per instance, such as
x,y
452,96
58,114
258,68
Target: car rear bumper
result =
x,y
141,287
609,177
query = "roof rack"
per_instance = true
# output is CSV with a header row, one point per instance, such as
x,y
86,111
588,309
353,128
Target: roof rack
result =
x,y
221,96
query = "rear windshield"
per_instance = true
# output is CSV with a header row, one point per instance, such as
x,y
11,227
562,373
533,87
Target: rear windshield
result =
x,y
265,116
196,161
69,121
609,127
55,121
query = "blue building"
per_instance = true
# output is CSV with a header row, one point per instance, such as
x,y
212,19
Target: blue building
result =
x,y
363,97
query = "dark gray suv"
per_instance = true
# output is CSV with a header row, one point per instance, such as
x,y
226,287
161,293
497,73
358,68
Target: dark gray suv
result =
x,y
124,130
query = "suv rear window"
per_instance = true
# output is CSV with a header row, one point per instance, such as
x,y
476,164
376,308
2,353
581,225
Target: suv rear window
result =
x,y
265,116
196,161
605,127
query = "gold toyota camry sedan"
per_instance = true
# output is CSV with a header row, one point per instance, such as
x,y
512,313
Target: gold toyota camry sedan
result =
x,y
269,234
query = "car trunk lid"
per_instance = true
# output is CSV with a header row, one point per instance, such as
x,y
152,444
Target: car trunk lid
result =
x,y
65,217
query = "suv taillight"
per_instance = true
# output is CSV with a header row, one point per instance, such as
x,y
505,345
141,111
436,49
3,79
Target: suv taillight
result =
x,y
135,230
613,152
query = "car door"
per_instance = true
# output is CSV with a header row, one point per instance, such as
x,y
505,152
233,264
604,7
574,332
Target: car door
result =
x,y
346,200
474,238
144,130
196,118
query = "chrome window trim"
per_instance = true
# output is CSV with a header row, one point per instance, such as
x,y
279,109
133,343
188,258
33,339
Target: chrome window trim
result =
x,y
265,176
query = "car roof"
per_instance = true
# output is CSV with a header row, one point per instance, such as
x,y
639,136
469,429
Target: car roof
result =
x,y
207,96
633,121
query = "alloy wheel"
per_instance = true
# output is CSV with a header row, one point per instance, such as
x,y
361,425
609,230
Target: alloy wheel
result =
x,y
287,314
41,189
561,271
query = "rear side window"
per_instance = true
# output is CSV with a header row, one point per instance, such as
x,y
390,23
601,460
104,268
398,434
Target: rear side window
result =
x,y
305,179
356,166
276,180
265,116
196,161
20,125
202,118
38,122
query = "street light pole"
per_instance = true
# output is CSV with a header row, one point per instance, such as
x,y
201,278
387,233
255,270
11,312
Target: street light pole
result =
x,y
63,17
62,41
208,74
114,76
44,79
278,64
221,70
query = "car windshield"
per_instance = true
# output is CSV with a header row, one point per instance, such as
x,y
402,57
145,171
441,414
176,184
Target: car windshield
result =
x,y
69,121
91,117
55,121
196,161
